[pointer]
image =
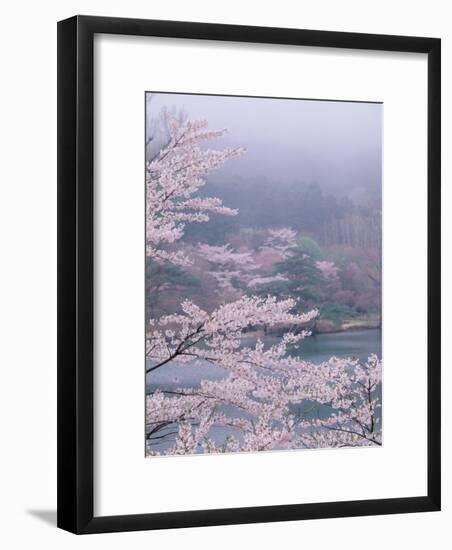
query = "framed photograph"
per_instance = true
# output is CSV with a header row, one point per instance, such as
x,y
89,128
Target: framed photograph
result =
x,y
248,276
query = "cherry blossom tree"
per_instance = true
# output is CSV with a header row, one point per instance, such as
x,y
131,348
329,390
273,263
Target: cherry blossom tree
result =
x,y
257,398
172,178
331,280
229,267
282,240
328,270
257,381
352,392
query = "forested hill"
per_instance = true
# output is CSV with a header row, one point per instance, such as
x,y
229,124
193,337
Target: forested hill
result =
x,y
352,220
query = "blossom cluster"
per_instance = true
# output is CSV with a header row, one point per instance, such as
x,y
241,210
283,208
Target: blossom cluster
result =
x,y
262,389
172,178
282,240
228,265
261,410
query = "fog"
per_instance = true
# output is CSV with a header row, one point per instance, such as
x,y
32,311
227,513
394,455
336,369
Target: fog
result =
x,y
335,144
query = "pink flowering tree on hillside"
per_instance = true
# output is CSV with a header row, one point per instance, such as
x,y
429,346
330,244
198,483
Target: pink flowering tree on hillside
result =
x,y
232,270
258,401
282,240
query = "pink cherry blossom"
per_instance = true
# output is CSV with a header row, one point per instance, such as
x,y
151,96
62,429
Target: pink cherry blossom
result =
x,y
172,178
282,240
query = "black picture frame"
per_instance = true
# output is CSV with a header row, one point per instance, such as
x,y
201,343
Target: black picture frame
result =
x,y
76,262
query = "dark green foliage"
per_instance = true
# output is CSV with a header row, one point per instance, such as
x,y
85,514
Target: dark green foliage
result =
x,y
310,247
304,279
337,312
174,275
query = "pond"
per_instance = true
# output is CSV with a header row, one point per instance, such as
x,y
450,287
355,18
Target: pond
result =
x,y
356,343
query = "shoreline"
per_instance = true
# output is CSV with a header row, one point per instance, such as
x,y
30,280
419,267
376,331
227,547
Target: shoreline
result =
x,y
324,326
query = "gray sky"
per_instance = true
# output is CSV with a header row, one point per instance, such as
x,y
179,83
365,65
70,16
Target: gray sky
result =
x,y
337,144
